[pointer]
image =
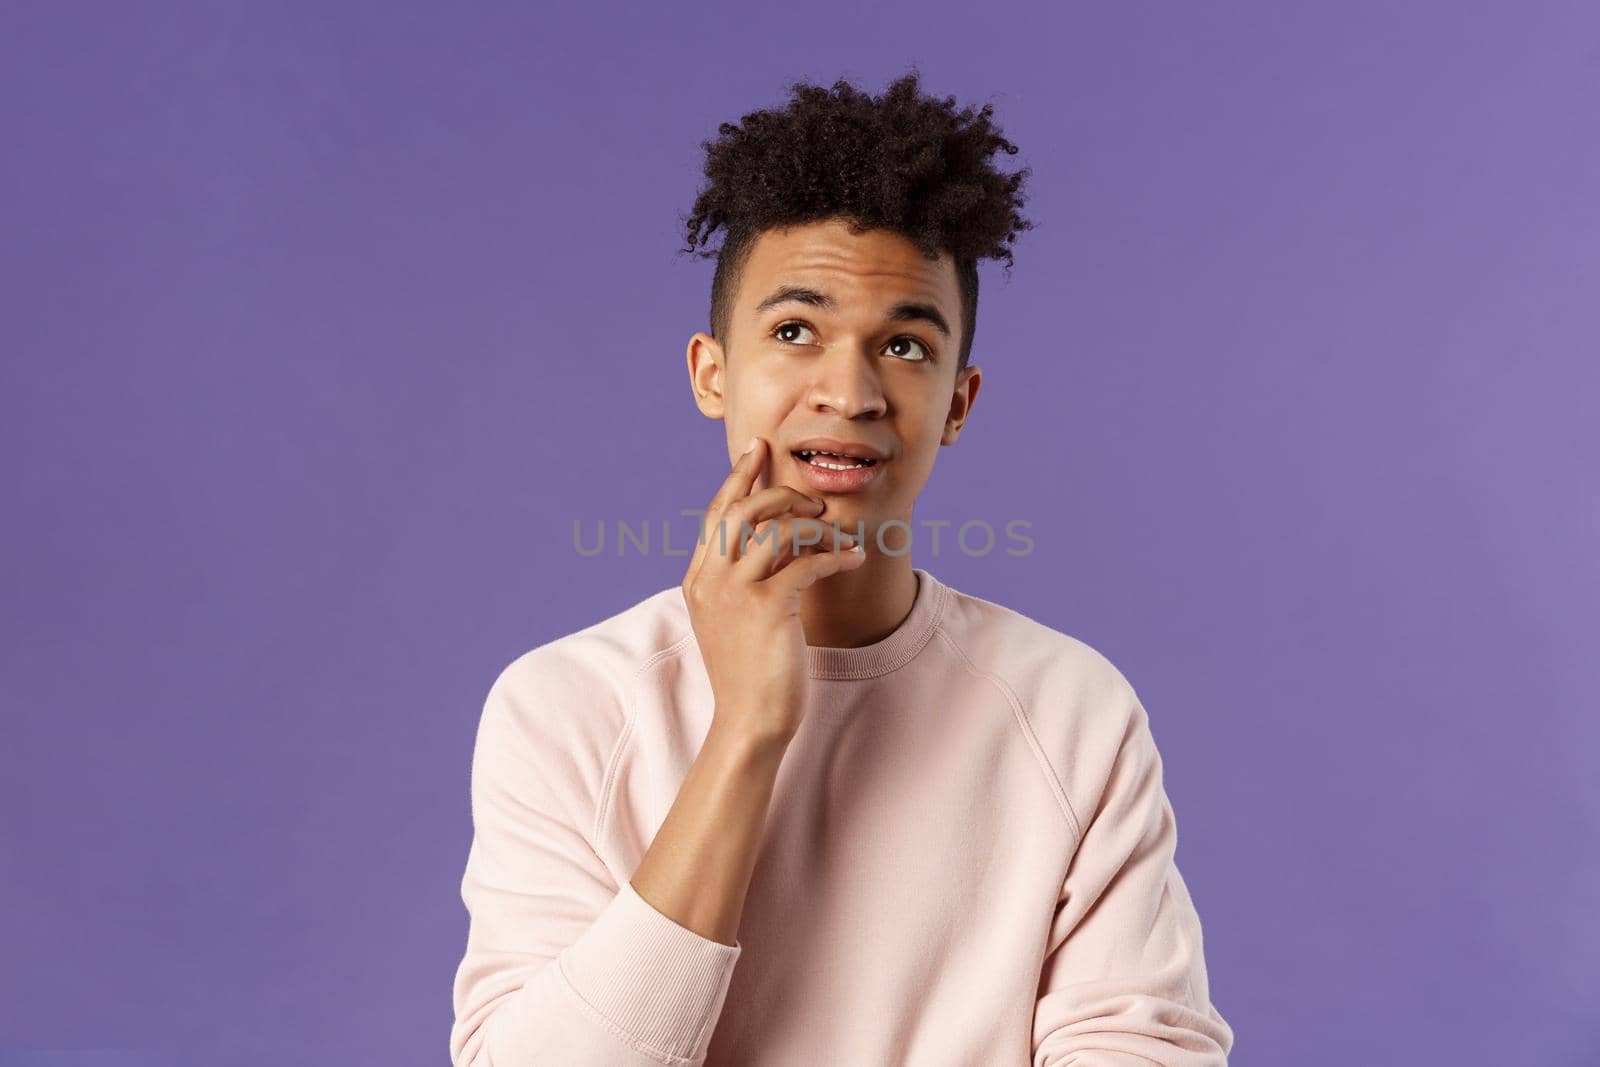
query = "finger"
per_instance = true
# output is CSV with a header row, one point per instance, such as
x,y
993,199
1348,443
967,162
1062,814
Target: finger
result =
x,y
776,502
778,542
752,517
806,570
735,486
763,478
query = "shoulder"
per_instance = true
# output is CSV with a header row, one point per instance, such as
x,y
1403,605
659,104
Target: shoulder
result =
x,y
558,710
601,660
1076,707
1041,664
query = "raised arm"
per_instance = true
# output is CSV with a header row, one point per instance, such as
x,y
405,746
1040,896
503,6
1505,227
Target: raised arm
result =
x,y
566,963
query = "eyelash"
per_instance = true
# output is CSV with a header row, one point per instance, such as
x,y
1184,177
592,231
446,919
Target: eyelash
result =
x,y
926,349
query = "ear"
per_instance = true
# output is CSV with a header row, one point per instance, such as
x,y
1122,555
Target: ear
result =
x,y
962,398
706,374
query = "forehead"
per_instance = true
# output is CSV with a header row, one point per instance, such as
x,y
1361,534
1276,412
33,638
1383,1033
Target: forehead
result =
x,y
877,266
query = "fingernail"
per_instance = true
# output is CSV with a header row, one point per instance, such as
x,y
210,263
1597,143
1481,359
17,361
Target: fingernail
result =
x,y
751,447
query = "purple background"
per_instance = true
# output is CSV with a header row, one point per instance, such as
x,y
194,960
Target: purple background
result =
x,y
323,322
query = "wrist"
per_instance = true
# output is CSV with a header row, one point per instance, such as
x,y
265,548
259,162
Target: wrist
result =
x,y
740,736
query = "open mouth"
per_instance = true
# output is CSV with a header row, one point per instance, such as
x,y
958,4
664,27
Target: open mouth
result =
x,y
833,461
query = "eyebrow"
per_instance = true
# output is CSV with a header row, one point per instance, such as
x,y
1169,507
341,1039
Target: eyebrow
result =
x,y
905,311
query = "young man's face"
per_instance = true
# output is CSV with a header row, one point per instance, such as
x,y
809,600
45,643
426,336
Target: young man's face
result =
x,y
856,372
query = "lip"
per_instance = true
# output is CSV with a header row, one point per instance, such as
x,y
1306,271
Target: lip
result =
x,y
826,481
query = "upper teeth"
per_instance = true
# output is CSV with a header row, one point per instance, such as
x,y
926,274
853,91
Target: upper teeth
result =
x,y
854,461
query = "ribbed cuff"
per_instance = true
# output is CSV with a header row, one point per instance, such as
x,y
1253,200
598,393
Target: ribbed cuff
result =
x,y
657,981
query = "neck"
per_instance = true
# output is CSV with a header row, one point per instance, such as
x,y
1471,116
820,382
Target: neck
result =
x,y
862,606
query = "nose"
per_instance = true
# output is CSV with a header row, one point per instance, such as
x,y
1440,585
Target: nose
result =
x,y
846,384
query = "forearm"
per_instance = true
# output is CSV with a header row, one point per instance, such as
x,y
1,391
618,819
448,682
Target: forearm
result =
x,y
697,869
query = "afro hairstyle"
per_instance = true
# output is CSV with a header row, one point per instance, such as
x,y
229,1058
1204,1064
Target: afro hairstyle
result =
x,y
902,161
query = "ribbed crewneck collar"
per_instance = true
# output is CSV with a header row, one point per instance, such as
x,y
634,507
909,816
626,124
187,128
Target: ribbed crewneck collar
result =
x,y
893,651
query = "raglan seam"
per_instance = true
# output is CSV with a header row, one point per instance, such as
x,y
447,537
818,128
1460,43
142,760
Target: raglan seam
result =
x,y
630,706
1020,716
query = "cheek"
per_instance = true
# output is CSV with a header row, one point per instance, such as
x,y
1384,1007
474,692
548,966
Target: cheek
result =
x,y
917,462
762,400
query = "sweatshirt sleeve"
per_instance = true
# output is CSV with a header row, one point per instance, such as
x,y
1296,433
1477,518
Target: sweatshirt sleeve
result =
x,y
565,962
1124,978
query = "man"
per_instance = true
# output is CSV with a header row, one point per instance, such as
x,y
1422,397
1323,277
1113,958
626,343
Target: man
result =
x,y
813,805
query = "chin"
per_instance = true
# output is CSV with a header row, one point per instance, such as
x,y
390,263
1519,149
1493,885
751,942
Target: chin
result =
x,y
849,515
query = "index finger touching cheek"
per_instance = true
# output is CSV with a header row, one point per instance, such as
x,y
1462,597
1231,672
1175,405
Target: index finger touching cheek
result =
x,y
735,486
742,477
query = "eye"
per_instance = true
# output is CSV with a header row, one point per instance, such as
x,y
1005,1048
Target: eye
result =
x,y
795,324
791,324
926,354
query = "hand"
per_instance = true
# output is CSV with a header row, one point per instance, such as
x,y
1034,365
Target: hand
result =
x,y
744,600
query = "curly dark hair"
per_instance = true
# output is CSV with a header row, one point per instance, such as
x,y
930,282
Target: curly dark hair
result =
x,y
901,161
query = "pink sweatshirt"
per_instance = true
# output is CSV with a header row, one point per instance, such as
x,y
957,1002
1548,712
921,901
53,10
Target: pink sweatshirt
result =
x,y
968,860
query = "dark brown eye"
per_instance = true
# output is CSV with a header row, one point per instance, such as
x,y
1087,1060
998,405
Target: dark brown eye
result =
x,y
790,325
926,354
778,331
